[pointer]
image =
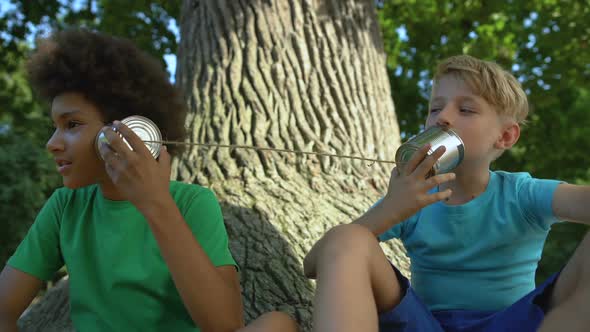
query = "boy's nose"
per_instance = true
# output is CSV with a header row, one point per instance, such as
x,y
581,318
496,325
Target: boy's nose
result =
x,y
54,144
443,122
444,117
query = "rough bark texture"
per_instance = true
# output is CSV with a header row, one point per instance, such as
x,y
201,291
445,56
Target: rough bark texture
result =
x,y
304,75
297,74
51,314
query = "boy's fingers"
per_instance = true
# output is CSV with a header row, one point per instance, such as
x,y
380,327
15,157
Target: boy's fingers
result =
x,y
416,159
438,180
439,196
426,165
394,173
134,141
164,160
111,158
116,143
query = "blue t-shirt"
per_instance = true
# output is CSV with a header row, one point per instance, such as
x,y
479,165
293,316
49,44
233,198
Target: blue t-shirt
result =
x,y
481,255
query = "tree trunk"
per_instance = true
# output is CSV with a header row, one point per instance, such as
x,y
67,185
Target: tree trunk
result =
x,y
51,314
304,75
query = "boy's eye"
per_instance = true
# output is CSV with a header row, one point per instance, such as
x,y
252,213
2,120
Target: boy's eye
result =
x,y
434,110
73,124
466,110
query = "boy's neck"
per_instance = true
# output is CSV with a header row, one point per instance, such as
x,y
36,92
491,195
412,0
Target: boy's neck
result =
x,y
110,192
467,186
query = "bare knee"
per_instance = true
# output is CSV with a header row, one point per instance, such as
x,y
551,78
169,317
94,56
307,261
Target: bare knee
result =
x,y
349,236
355,246
272,321
340,241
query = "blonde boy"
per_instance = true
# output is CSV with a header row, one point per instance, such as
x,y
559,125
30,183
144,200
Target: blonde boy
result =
x,y
474,236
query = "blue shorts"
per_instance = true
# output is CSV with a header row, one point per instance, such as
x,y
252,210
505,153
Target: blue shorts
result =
x,y
412,315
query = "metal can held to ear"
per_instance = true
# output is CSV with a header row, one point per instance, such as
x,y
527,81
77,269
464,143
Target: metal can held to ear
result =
x,y
143,127
436,136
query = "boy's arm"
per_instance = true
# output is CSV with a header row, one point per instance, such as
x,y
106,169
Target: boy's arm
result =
x,y
378,219
210,294
408,192
572,203
17,290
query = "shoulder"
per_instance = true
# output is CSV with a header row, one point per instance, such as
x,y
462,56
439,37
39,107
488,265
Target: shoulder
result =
x,y
521,181
532,196
510,178
510,181
182,190
188,194
63,204
65,196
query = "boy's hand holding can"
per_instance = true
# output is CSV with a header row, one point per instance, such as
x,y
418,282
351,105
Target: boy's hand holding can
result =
x,y
409,187
141,178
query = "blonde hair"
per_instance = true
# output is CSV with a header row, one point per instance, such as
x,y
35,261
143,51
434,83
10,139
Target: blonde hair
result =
x,y
488,80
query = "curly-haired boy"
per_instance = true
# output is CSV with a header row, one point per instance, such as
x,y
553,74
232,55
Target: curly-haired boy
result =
x,y
143,253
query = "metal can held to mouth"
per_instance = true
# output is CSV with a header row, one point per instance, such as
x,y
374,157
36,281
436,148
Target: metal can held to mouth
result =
x,y
143,127
436,136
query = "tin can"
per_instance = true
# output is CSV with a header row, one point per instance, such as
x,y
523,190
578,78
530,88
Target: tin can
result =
x,y
143,127
436,136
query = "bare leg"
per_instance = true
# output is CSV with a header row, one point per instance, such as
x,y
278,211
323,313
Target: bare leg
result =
x,y
570,301
272,322
354,280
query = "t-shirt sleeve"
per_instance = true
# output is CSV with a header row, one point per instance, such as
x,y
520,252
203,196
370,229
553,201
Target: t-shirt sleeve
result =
x,y
394,232
206,222
39,254
535,198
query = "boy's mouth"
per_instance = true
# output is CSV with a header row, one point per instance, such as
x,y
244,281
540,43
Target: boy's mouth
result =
x,y
62,165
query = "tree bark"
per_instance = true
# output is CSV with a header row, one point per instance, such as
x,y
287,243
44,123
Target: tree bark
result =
x,y
51,314
303,75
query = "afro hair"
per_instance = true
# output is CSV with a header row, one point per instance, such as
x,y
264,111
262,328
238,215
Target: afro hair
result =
x,y
112,73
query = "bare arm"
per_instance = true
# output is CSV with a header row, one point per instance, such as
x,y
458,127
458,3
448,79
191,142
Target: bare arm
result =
x,y
17,290
572,202
378,219
210,294
408,192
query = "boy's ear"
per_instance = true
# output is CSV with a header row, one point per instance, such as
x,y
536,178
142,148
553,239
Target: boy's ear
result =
x,y
509,137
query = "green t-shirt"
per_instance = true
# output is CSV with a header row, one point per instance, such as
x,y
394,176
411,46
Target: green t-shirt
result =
x,y
118,279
